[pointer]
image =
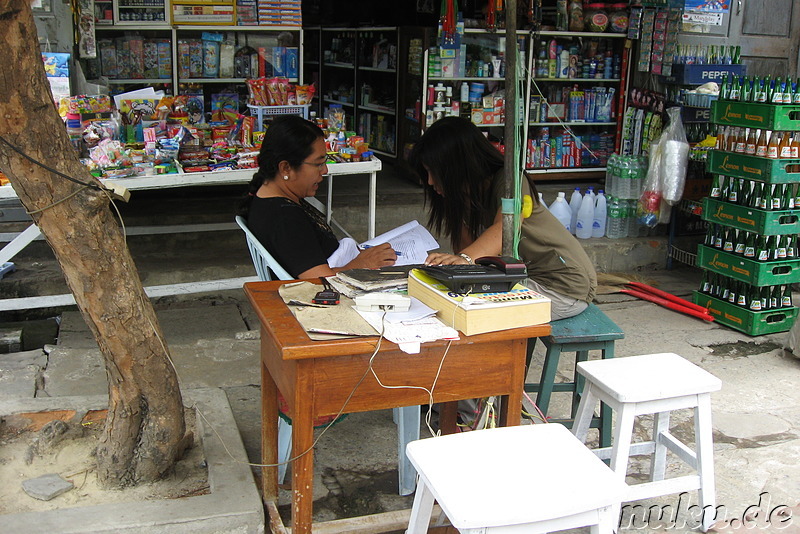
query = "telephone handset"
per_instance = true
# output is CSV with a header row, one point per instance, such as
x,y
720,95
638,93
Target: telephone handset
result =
x,y
507,264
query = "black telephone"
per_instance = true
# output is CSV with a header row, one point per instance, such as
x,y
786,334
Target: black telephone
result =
x,y
490,274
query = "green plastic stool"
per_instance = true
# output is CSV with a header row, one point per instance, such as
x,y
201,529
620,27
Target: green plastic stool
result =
x,y
589,330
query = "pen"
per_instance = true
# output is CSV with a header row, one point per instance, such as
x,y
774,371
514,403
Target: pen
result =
x,y
365,247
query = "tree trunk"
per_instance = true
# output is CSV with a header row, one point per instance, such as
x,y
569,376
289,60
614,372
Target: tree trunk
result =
x,y
145,428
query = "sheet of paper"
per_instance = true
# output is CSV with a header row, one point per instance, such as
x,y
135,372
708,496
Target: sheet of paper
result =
x,y
411,241
347,251
417,311
410,334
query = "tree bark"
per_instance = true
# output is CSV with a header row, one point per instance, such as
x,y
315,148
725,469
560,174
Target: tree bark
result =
x,y
144,431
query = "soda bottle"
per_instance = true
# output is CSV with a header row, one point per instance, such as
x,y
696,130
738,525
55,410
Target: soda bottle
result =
x,y
738,243
764,293
752,140
787,92
725,88
705,286
733,190
750,246
736,90
796,93
791,246
785,148
787,197
754,299
741,141
760,94
761,144
786,296
775,297
776,197
745,192
730,237
777,92
773,150
757,195
716,189
762,253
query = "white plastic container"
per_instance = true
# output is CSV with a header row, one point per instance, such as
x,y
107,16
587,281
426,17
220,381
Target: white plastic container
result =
x,y
583,227
574,206
560,209
599,222
542,202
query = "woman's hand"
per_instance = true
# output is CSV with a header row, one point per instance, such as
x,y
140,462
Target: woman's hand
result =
x,y
370,258
439,258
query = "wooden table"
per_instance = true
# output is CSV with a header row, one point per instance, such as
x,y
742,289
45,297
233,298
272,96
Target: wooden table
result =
x,y
316,377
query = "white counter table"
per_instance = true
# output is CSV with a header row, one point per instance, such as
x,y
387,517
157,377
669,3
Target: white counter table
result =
x,y
168,181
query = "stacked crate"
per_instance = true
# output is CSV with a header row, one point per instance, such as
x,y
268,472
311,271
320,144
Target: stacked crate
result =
x,y
741,290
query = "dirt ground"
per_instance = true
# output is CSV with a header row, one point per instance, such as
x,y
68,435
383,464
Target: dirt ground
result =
x,y
27,453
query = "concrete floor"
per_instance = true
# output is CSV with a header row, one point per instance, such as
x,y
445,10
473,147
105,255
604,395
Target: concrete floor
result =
x,y
214,342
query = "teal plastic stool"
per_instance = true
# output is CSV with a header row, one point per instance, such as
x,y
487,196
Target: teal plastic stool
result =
x,y
589,330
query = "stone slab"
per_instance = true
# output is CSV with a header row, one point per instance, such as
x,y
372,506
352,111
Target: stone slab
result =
x,y
232,506
46,487
179,324
19,372
221,362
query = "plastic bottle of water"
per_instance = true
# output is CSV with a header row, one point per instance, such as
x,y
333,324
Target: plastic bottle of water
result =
x,y
574,206
624,183
583,227
633,222
612,175
542,202
616,219
599,222
560,209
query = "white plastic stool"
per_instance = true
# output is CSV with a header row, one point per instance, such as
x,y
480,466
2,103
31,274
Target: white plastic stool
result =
x,y
535,478
654,384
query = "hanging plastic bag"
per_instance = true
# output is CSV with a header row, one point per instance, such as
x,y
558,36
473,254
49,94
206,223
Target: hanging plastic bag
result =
x,y
649,205
674,158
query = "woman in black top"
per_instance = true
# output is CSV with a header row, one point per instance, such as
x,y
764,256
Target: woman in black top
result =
x,y
291,165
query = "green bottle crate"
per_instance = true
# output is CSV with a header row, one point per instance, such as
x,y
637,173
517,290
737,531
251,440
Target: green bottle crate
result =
x,y
752,323
778,222
752,115
756,273
773,171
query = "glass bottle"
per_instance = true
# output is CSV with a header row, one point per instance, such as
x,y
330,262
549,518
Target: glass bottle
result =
x,y
776,197
733,190
756,196
750,246
774,297
739,242
773,150
730,236
716,189
736,90
777,92
761,144
725,88
741,141
785,148
752,140
760,94
762,254
795,145
796,92
786,297
787,197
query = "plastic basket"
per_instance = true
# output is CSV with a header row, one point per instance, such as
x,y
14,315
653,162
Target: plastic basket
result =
x,y
261,112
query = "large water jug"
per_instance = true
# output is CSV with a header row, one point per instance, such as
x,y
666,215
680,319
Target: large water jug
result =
x,y
560,209
599,222
574,206
583,228
542,202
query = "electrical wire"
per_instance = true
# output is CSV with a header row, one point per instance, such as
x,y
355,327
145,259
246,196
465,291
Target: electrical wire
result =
x,y
46,167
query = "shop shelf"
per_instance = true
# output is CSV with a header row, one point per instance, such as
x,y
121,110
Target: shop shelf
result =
x,y
751,323
779,222
768,273
773,171
751,115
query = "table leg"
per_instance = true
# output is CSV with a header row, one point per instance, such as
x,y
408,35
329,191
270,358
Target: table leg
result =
x,y
329,200
448,412
269,435
372,185
303,465
511,404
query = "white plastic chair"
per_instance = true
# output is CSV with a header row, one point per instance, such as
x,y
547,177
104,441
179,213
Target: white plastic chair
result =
x,y
407,418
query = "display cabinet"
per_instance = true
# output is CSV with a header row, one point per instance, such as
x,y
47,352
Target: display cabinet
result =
x,y
574,84
359,72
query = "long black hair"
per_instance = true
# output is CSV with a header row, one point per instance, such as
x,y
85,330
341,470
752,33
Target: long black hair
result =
x,y
464,165
289,138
